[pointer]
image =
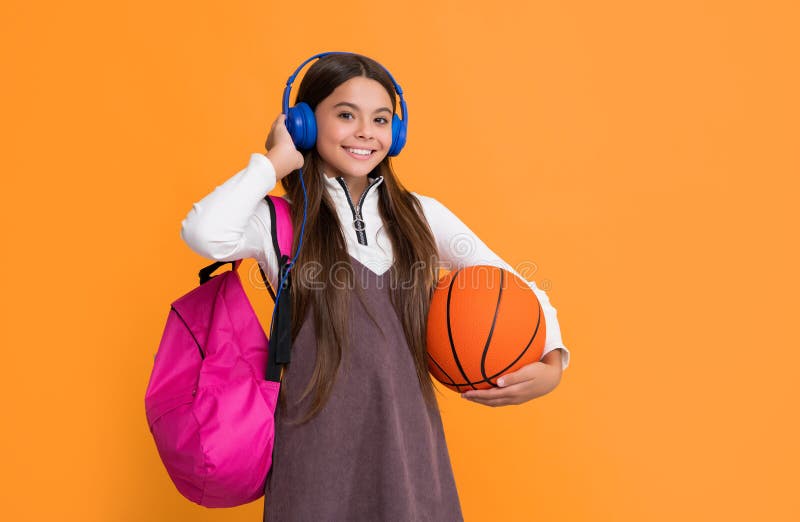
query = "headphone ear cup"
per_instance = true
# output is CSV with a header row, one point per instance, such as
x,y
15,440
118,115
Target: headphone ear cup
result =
x,y
398,135
302,126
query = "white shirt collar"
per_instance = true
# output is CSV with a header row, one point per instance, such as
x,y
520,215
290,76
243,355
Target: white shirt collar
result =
x,y
337,191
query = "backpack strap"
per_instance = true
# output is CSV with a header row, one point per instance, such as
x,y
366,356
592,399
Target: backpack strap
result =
x,y
282,236
205,272
281,232
280,341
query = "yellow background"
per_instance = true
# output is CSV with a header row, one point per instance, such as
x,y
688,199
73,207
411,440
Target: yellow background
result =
x,y
642,154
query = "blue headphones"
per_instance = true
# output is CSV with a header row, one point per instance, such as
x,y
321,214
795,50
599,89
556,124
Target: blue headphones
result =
x,y
303,127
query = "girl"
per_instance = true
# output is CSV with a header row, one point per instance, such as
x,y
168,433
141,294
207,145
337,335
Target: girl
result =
x,y
358,431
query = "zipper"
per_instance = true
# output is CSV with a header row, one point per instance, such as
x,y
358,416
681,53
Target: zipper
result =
x,y
199,348
358,221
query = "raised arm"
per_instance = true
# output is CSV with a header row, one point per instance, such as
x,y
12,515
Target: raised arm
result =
x,y
233,221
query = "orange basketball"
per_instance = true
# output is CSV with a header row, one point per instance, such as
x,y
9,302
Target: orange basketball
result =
x,y
483,322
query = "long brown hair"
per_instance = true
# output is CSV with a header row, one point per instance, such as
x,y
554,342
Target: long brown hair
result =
x,y
415,254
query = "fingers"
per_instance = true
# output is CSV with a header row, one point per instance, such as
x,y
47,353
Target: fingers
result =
x,y
489,393
274,128
282,124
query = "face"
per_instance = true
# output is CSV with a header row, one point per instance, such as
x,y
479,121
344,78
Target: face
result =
x,y
356,115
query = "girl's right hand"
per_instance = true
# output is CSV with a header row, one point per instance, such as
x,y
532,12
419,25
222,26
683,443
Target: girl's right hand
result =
x,y
281,150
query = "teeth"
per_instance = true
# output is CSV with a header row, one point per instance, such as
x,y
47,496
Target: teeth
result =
x,y
362,152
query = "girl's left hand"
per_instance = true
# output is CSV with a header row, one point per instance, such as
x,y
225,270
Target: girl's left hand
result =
x,y
529,382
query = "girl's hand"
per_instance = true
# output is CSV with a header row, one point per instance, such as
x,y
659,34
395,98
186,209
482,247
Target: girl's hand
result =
x,y
281,150
529,382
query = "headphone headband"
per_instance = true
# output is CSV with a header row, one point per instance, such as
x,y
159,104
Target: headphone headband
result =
x,y
287,90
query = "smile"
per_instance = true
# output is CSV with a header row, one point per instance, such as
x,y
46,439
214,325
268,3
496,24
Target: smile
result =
x,y
359,153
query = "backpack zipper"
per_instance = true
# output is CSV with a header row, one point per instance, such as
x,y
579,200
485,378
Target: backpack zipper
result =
x,y
358,221
199,348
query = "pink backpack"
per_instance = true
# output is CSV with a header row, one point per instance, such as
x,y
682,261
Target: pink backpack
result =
x,y
211,398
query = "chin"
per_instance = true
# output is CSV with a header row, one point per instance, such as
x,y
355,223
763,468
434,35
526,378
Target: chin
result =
x,y
359,169
360,173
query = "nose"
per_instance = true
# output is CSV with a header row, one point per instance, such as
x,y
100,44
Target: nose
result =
x,y
364,130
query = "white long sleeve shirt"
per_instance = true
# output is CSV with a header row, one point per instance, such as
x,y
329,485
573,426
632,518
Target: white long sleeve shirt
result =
x,y
233,222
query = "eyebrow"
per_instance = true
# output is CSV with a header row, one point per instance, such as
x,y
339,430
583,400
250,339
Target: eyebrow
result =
x,y
355,107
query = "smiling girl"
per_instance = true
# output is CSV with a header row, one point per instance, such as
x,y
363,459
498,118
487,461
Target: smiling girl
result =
x,y
358,431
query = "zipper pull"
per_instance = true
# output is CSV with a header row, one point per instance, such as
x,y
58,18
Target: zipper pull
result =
x,y
358,222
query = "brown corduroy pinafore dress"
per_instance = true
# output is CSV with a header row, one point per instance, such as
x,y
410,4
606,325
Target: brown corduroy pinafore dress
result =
x,y
375,452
